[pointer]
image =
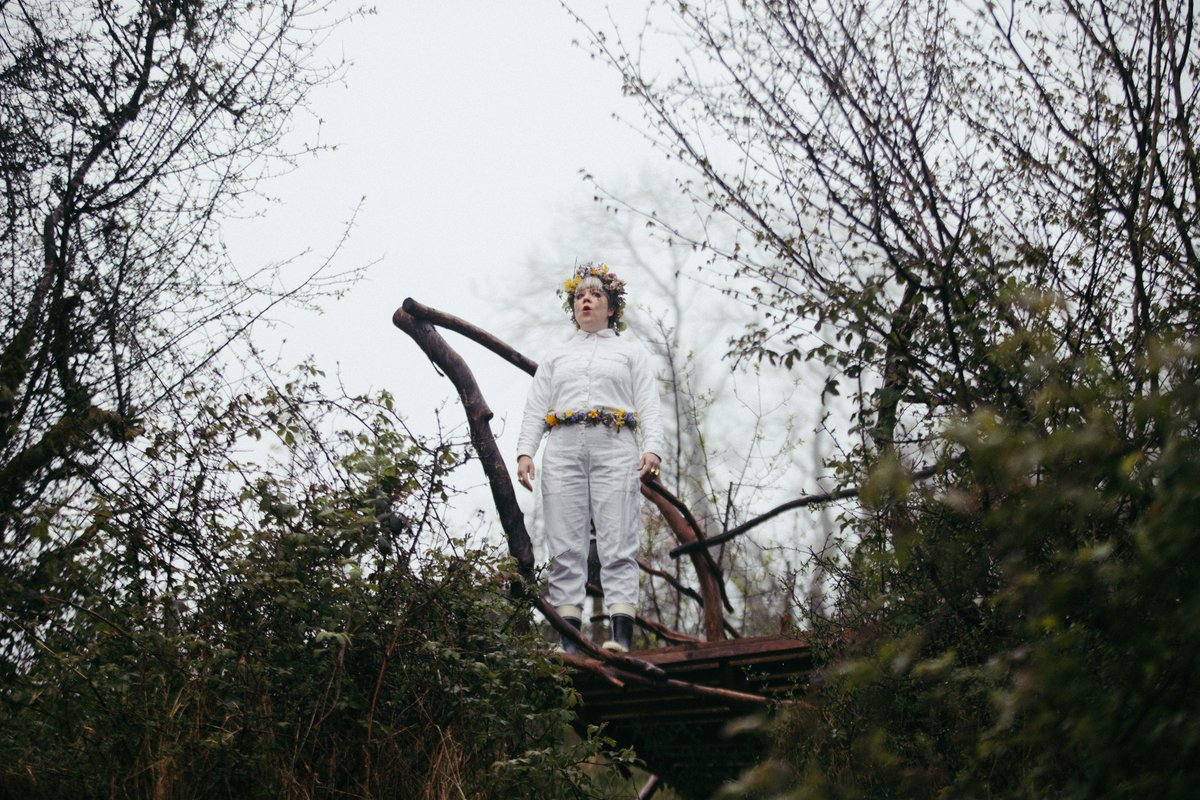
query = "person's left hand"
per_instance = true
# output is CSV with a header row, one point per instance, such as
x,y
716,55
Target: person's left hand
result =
x,y
648,466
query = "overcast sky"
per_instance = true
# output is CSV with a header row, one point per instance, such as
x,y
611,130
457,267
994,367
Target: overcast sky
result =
x,y
463,128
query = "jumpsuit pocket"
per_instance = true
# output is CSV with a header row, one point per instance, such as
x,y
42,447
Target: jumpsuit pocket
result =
x,y
635,480
561,468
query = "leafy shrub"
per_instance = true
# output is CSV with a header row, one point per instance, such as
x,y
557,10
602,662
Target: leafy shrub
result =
x,y
337,643
1027,626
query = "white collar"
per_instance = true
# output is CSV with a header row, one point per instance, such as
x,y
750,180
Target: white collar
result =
x,y
605,333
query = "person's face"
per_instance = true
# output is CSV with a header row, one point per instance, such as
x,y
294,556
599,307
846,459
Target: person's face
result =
x,y
591,309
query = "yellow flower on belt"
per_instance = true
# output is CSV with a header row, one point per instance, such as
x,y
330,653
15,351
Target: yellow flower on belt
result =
x,y
616,418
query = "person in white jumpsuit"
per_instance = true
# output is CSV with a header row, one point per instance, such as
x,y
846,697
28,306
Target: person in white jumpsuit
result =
x,y
591,397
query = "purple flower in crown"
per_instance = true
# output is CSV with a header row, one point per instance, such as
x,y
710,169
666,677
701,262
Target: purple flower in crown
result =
x,y
614,287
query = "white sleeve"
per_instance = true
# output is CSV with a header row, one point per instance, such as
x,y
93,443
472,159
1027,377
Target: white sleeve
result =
x,y
537,403
646,400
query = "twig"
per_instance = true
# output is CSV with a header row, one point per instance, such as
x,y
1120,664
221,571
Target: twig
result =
x,y
675,583
665,633
799,502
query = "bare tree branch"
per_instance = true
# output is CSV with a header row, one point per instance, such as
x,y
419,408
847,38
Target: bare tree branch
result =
x,y
791,505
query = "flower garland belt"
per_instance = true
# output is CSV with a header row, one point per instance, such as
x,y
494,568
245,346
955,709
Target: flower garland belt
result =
x,y
615,418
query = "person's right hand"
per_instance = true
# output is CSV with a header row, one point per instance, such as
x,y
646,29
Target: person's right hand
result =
x,y
525,471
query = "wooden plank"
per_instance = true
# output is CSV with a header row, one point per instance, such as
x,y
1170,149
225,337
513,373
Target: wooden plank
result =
x,y
758,647
769,666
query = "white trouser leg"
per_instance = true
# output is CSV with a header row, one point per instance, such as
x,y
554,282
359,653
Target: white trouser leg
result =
x,y
616,512
565,502
589,474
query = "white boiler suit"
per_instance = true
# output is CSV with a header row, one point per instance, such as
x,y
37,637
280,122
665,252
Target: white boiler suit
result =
x,y
589,472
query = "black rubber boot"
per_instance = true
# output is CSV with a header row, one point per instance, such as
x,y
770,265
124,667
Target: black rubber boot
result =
x,y
622,633
567,643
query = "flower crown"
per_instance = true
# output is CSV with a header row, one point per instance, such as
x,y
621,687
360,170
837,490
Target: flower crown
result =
x,y
614,287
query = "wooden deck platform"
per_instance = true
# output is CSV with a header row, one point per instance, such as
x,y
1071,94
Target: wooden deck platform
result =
x,y
683,734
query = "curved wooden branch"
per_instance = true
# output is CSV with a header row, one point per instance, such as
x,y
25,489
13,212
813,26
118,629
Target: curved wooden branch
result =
x,y
687,534
799,502
479,416
710,585
593,666
477,335
619,678
669,496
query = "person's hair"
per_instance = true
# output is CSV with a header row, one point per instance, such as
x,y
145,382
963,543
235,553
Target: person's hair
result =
x,y
589,274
